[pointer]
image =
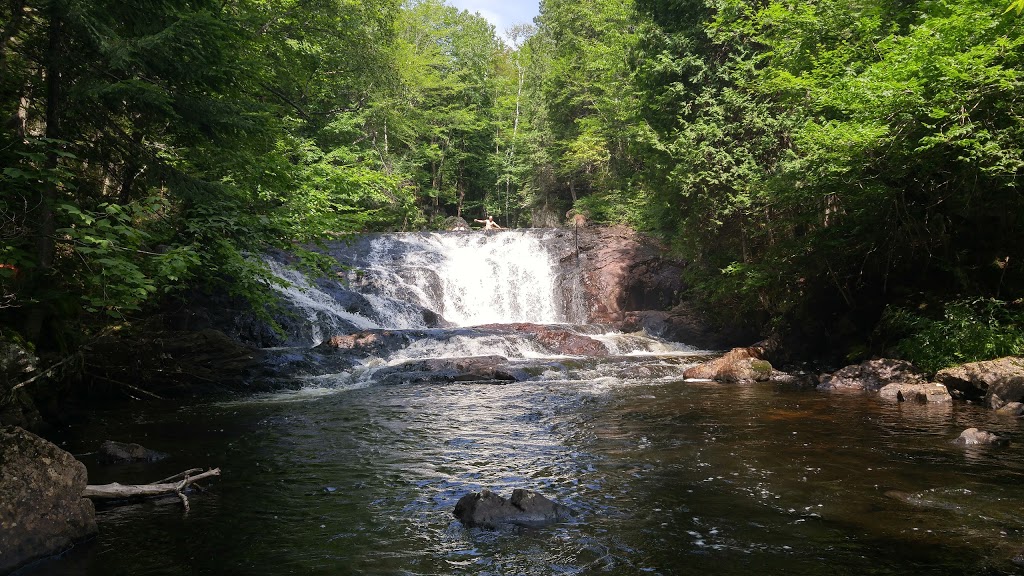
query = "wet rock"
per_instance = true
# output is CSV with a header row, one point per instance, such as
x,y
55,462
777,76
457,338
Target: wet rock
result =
x,y
996,382
872,375
800,380
455,224
42,511
1012,409
976,437
737,365
470,369
112,452
556,339
931,393
486,509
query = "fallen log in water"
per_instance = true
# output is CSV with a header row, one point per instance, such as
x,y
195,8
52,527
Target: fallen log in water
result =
x,y
116,491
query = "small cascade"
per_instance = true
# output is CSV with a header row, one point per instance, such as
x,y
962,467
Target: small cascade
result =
x,y
325,315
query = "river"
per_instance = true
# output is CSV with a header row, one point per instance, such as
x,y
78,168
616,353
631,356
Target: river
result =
x,y
348,475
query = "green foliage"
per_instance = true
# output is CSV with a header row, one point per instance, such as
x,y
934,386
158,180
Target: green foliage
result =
x,y
816,161
966,331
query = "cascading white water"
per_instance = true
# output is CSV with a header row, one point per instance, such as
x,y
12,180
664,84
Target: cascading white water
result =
x,y
469,279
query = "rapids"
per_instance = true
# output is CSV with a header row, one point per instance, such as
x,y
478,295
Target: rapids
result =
x,y
353,473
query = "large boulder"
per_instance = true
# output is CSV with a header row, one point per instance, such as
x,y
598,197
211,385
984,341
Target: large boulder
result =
x,y
42,511
872,375
737,365
525,508
996,382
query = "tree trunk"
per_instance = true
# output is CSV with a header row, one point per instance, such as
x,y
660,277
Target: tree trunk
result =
x,y
46,222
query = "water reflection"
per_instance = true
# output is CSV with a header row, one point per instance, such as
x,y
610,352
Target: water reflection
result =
x,y
663,477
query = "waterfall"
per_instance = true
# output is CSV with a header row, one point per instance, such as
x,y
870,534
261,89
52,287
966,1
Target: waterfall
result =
x,y
424,280
469,279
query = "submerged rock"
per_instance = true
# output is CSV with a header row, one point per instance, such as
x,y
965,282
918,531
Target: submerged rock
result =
x,y
976,437
872,375
42,511
112,452
932,392
997,382
526,508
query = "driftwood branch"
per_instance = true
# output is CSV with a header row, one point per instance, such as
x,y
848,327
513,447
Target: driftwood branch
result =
x,y
116,491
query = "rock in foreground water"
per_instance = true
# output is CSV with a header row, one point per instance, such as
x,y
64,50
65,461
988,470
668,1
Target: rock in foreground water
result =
x,y
42,511
525,508
975,437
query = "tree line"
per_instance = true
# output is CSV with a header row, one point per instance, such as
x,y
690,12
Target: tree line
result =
x,y
844,172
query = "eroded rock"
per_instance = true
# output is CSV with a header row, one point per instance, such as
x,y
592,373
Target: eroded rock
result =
x,y
42,511
486,509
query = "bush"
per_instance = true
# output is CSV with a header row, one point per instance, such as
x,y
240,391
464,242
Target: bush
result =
x,y
967,331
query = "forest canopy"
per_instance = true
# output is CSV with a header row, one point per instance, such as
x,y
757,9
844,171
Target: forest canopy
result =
x,y
842,172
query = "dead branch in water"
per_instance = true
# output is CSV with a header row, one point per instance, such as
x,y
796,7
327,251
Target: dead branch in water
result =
x,y
116,491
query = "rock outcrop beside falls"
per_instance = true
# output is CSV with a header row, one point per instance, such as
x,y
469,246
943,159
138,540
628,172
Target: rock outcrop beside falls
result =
x,y
631,282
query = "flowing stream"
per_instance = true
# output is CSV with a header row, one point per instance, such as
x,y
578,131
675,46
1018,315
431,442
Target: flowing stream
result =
x,y
355,474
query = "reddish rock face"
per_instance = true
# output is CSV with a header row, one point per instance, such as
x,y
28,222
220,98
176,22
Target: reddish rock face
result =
x,y
624,271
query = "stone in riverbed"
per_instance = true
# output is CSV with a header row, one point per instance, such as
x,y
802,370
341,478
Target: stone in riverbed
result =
x,y
112,452
975,437
737,365
486,509
872,375
42,511
931,393
996,381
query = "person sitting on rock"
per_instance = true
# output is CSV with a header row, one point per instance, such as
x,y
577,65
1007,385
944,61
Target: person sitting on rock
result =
x,y
489,224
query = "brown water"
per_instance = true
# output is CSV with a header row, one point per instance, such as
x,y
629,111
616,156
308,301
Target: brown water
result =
x,y
665,477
